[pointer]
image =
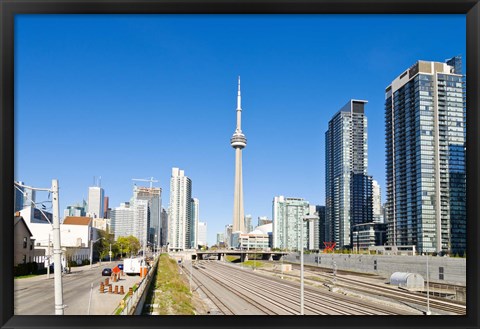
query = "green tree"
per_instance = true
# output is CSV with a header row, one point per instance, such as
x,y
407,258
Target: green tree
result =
x,y
103,245
127,245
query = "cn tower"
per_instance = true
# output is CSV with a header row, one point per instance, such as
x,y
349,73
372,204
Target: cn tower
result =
x,y
238,142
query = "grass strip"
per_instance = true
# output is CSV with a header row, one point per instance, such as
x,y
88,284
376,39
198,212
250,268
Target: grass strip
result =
x,y
170,291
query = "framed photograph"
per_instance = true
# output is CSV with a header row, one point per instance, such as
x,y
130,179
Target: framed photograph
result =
x,y
316,161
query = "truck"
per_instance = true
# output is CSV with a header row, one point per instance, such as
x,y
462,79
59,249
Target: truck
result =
x,y
131,266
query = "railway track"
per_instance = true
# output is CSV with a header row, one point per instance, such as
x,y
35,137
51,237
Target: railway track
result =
x,y
221,306
389,292
276,296
243,295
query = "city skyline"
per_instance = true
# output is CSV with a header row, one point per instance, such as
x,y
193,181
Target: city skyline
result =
x,y
285,108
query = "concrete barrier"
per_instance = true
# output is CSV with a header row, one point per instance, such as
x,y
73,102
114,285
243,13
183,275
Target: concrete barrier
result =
x,y
136,299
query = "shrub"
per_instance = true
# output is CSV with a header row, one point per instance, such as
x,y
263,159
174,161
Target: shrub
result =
x,y
25,269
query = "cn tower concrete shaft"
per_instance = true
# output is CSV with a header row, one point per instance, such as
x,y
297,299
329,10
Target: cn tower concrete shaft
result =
x,y
238,142
238,212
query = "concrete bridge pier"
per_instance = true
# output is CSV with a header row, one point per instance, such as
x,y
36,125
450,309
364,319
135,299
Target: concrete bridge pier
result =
x,y
243,257
277,256
221,257
268,257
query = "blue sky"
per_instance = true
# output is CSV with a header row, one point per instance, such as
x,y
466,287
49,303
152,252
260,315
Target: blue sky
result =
x,y
131,96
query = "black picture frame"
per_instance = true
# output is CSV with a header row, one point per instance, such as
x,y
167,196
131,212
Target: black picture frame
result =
x,y
9,8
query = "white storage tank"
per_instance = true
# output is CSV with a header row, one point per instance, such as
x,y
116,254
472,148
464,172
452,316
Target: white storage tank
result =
x,y
409,281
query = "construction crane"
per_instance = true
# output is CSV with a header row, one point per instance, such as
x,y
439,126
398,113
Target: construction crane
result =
x,y
151,180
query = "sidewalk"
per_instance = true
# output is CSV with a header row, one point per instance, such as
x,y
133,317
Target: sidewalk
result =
x,y
106,303
73,270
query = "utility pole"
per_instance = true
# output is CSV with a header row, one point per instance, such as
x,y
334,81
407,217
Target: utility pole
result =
x,y
57,251
191,268
301,271
48,257
255,254
305,219
428,291
110,252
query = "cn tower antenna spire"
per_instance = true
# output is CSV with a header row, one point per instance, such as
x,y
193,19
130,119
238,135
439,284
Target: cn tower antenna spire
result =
x,y
238,142
239,108
239,97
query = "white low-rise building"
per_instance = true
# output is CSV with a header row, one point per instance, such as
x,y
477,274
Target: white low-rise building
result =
x,y
75,236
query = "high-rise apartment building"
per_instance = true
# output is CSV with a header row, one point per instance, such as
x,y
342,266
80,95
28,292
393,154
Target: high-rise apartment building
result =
x,y
248,224
263,220
163,227
202,234
228,234
121,222
348,193
195,203
220,238
425,158
377,202
321,226
140,220
95,201
288,214
361,199
180,218
153,195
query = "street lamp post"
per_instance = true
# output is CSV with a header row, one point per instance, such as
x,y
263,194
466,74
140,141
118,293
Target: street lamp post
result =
x,y
428,291
282,263
91,251
255,254
305,219
191,269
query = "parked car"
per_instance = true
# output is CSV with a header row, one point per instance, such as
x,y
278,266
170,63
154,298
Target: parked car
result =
x,y
107,271
52,268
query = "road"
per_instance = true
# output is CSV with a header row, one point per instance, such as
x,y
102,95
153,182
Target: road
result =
x,y
35,296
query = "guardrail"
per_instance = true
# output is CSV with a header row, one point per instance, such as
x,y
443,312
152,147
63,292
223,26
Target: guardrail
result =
x,y
130,304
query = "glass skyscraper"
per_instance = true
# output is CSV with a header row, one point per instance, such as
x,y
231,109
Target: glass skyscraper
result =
x,y
425,158
348,193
